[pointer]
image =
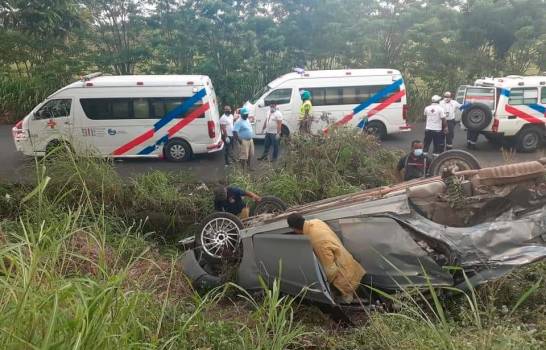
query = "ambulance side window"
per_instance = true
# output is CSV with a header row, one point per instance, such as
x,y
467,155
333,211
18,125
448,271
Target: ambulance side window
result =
x,y
523,96
278,97
543,96
54,109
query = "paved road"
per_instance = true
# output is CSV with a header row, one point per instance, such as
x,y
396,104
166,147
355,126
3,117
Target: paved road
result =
x,y
15,167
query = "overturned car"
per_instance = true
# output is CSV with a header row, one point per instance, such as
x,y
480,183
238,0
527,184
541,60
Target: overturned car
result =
x,y
461,229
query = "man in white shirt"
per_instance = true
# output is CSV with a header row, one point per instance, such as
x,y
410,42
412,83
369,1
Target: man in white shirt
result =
x,y
226,126
450,107
272,127
435,126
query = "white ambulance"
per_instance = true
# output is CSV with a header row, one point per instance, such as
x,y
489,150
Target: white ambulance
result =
x,y
341,97
171,116
512,107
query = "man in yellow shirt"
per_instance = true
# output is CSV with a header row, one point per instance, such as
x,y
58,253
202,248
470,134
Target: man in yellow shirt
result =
x,y
341,269
305,112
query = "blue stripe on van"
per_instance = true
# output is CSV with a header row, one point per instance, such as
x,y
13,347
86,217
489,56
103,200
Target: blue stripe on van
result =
x,y
183,108
150,149
378,96
538,108
505,92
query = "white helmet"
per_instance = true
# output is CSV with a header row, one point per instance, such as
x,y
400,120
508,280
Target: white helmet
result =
x,y
447,94
436,98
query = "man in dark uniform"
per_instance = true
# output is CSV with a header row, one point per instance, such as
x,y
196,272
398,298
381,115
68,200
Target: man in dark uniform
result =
x,y
230,200
416,163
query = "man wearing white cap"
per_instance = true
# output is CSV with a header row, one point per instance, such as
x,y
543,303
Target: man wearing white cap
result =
x,y
449,106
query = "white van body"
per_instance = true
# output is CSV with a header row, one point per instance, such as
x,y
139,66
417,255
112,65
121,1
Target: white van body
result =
x,y
338,97
517,104
126,116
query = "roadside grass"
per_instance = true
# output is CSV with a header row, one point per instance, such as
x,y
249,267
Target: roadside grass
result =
x,y
77,271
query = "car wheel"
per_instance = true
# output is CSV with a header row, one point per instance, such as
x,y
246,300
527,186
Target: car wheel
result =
x,y
458,159
270,205
177,151
377,129
529,139
477,117
58,147
285,133
218,237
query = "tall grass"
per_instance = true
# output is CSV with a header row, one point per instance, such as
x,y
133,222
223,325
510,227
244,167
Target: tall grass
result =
x,y
73,275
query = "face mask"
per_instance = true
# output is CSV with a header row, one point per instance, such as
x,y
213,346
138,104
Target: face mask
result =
x,y
418,152
244,116
227,112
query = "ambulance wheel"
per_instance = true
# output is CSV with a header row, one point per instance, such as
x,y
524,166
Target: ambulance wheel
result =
x,y
377,129
177,151
457,159
529,138
219,237
477,117
285,133
270,205
58,147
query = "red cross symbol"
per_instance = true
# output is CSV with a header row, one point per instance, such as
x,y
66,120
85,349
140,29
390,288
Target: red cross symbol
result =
x,y
51,123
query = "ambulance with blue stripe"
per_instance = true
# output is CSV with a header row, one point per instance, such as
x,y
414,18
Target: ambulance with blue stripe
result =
x,y
170,116
374,99
512,108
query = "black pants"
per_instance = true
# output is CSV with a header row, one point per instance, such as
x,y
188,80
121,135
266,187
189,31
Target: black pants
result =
x,y
436,138
271,140
472,137
450,133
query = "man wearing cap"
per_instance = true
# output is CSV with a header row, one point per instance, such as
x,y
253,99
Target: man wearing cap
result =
x,y
435,126
449,106
226,126
242,132
305,112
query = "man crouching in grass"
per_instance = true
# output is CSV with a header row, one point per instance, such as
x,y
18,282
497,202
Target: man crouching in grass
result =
x,y
342,270
230,200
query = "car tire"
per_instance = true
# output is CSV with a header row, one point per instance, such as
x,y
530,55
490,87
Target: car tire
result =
x,y
477,117
218,237
177,151
285,133
462,159
529,139
57,147
377,129
269,205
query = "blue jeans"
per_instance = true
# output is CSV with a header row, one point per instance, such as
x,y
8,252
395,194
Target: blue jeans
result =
x,y
271,140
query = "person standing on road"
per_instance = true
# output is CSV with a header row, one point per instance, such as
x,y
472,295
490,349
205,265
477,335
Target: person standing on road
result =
x,y
415,164
435,126
226,126
449,106
242,132
272,128
230,200
341,269
305,112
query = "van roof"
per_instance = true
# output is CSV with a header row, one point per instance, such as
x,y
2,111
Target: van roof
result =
x,y
513,81
338,73
144,80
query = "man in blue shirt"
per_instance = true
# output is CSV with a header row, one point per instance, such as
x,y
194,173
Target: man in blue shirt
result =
x,y
230,200
242,132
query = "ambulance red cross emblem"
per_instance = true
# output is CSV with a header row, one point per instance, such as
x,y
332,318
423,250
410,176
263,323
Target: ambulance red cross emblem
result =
x,y
51,124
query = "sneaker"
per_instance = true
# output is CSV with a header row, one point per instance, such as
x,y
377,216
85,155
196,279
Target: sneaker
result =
x,y
262,158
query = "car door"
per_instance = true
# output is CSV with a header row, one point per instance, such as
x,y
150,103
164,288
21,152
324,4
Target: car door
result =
x,y
290,258
279,97
459,97
52,121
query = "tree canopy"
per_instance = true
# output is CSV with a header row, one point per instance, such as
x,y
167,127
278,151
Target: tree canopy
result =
x,y
244,44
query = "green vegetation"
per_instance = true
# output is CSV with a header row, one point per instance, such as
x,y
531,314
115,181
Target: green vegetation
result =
x,y
315,168
79,269
242,45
